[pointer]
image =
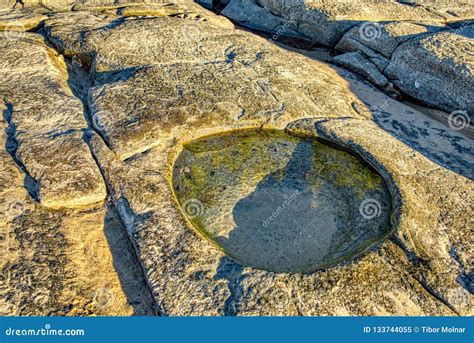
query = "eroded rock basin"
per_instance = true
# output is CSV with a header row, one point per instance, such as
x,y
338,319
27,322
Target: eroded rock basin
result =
x,y
279,202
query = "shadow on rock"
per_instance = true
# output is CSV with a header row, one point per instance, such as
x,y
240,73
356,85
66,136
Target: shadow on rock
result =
x,y
232,272
283,225
127,266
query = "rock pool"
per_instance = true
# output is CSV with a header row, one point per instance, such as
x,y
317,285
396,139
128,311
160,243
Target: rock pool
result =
x,y
280,202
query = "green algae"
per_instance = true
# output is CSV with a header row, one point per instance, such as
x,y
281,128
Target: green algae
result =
x,y
345,170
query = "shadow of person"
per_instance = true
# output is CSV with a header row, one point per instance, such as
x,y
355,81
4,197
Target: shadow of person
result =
x,y
232,272
280,226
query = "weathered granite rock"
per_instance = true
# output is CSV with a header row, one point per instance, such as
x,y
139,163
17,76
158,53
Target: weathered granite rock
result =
x,y
59,262
362,66
249,14
161,81
432,231
45,4
163,239
437,69
17,20
383,38
13,195
451,10
63,5
194,277
209,55
376,29
446,147
80,35
45,122
255,101
176,259
66,172
425,58
326,23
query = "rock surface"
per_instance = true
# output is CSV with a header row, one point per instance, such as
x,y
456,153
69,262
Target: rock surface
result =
x,y
219,58
399,38
326,23
46,122
442,61
362,66
62,262
115,93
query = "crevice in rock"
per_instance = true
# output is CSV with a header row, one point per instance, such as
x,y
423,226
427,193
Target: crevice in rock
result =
x,y
411,255
219,5
417,262
11,146
412,258
434,294
123,203
79,81
232,272
124,254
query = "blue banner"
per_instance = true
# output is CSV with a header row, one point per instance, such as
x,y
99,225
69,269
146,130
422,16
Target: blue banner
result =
x,y
235,329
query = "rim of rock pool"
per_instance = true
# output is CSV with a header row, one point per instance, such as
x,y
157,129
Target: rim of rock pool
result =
x,y
320,214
